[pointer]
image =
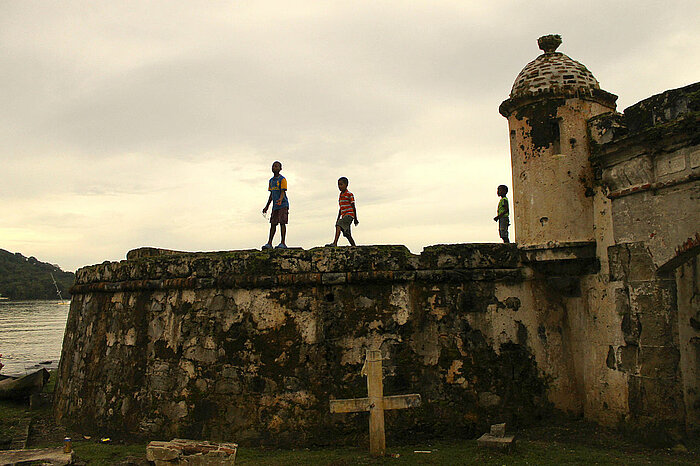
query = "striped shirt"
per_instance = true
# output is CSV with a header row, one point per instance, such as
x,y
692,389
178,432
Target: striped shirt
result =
x,y
346,201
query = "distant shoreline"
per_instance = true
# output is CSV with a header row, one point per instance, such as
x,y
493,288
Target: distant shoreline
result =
x,y
8,300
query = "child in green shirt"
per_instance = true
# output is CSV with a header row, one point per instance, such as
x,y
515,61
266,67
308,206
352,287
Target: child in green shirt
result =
x,y
503,213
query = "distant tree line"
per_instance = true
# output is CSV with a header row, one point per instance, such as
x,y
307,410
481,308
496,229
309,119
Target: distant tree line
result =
x,y
28,278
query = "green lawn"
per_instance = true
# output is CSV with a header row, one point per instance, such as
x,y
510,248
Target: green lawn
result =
x,y
466,452
106,454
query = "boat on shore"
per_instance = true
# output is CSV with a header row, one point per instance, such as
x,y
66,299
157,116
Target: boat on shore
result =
x,y
23,387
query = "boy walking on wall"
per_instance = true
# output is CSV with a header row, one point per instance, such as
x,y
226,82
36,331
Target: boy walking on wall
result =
x,y
503,213
347,213
280,206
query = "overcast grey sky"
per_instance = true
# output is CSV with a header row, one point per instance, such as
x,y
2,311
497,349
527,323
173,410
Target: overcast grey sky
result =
x,y
128,124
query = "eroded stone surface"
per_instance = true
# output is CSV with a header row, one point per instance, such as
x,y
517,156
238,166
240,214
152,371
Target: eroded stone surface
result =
x,y
235,350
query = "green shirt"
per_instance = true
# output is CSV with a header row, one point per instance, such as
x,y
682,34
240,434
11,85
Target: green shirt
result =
x,y
503,207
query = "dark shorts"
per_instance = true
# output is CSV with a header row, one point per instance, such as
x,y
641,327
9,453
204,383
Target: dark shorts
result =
x,y
503,223
344,224
280,216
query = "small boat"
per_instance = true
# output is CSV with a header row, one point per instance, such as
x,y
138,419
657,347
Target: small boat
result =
x,y
23,387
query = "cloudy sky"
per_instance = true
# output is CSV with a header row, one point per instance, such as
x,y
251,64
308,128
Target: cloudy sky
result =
x,y
127,124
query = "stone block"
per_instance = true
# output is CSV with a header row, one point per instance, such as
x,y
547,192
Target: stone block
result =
x,y
227,386
656,329
498,430
627,357
333,278
500,443
54,456
641,265
631,329
694,158
659,362
630,262
657,398
191,452
161,451
489,400
470,256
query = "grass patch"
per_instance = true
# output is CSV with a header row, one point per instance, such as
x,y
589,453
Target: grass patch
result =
x,y
13,417
465,453
106,454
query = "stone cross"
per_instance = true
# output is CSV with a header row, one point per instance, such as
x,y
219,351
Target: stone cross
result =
x,y
375,402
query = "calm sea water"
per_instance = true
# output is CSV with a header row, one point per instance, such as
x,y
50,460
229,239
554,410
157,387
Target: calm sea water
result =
x,y
31,334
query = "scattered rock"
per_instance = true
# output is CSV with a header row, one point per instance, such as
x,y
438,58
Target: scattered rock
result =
x,y
54,456
183,451
497,438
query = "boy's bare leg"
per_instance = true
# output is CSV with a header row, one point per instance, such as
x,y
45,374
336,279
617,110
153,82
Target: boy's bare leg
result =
x,y
352,241
273,229
337,235
283,232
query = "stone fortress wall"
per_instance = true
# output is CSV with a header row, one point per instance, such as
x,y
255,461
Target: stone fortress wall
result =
x,y
252,345
647,164
595,311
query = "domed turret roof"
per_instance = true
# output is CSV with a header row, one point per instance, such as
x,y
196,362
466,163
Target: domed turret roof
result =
x,y
553,71
554,75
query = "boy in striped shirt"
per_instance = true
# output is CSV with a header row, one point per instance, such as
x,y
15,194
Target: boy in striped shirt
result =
x,y
347,213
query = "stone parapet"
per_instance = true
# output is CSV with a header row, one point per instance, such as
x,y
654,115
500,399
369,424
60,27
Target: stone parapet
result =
x,y
255,269
663,122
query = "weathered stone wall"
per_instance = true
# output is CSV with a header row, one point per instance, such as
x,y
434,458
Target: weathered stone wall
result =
x,y
647,163
250,346
650,352
688,288
648,160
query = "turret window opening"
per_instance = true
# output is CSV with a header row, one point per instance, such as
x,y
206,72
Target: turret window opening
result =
x,y
556,135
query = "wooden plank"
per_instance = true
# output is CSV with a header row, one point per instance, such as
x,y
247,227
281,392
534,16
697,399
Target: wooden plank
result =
x,y
402,401
375,392
354,405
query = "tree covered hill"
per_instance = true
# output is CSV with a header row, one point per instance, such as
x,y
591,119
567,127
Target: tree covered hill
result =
x,y
27,278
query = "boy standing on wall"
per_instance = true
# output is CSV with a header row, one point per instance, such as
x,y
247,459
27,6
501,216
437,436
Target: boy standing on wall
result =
x,y
280,206
347,213
503,213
